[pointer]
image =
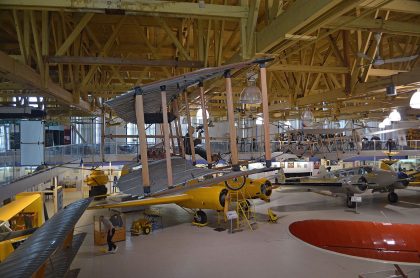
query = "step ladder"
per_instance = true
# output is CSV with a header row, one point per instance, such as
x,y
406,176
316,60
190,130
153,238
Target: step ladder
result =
x,y
241,202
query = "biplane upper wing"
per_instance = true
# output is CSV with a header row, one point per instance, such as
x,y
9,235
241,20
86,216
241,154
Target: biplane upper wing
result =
x,y
124,105
13,208
397,243
41,251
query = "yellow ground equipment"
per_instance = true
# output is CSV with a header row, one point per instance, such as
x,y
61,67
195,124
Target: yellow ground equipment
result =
x,y
97,181
272,217
141,225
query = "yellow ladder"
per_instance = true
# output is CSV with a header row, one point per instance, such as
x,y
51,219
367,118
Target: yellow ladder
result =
x,y
244,207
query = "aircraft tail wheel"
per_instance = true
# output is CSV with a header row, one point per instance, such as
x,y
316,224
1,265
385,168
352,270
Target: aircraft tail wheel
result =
x,y
350,204
235,183
392,197
200,217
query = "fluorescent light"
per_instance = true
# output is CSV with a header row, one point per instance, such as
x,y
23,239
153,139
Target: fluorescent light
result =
x,y
395,116
387,121
415,100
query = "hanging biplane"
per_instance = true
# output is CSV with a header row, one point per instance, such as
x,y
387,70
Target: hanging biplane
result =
x,y
176,180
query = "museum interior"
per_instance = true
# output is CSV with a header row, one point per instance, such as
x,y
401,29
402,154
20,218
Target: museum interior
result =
x,y
210,138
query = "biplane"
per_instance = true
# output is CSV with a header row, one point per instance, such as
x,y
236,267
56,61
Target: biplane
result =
x,y
174,179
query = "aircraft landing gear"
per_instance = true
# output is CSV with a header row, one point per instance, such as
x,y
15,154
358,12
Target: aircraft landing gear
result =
x,y
392,197
200,218
349,203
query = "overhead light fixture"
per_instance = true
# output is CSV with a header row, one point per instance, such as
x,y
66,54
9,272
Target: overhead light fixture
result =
x,y
200,113
251,94
415,100
381,125
395,116
387,121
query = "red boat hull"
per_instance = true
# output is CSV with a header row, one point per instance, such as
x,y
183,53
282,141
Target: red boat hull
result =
x,y
398,243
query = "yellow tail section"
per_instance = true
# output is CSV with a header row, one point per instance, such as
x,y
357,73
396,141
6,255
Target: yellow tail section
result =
x,y
385,166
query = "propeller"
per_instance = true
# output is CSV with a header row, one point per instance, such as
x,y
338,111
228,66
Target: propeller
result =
x,y
378,61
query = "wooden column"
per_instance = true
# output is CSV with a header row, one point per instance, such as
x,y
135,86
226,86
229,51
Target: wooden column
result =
x,y
166,137
143,143
206,126
178,128
231,119
102,149
190,129
266,124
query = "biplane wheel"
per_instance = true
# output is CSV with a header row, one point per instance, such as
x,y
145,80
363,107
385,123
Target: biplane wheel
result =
x,y
392,197
235,183
200,217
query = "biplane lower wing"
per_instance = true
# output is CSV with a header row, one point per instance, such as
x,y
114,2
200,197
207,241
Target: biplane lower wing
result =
x,y
146,202
35,255
183,173
395,243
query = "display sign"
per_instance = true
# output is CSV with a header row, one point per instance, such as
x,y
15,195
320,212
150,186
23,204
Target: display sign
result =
x,y
356,199
230,215
31,143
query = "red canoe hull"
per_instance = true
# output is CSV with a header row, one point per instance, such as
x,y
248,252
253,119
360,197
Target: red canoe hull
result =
x,y
379,241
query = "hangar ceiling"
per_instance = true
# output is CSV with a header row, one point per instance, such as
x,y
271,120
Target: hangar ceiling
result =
x,y
79,53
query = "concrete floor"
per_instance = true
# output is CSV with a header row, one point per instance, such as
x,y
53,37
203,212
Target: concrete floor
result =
x,y
183,250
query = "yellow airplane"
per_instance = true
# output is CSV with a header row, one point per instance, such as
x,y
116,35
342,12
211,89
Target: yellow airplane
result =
x,y
18,220
214,197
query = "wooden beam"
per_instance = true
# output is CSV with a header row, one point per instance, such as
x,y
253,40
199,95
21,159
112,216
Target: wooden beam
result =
x,y
142,7
305,68
166,138
73,35
205,125
104,51
174,39
375,25
299,14
25,75
139,105
18,28
231,119
117,61
190,128
264,97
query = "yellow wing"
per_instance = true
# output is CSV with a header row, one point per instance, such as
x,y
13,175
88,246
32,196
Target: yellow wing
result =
x,y
13,208
147,202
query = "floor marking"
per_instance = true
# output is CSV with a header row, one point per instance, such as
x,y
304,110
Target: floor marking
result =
x,y
410,203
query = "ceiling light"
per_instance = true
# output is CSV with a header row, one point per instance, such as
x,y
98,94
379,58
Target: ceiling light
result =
x,y
251,94
381,125
415,100
387,121
200,113
395,116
